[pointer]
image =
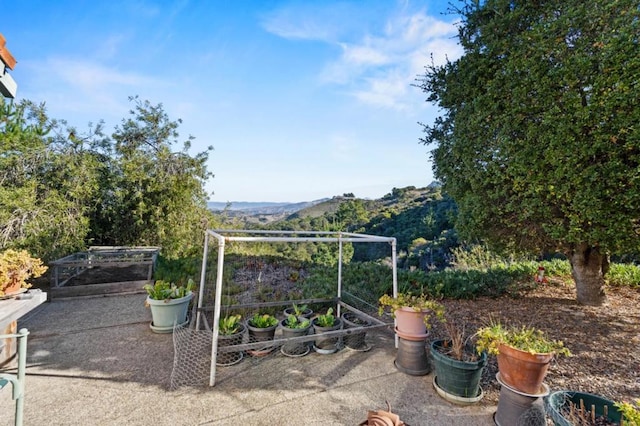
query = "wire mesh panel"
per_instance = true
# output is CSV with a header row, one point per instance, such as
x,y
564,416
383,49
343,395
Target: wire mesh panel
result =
x,y
266,294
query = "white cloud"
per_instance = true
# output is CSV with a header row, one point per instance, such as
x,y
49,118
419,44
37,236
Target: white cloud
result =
x,y
377,65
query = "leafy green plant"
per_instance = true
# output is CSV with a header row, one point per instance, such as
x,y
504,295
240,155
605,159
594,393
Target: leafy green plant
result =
x,y
326,320
263,320
621,274
298,310
230,325
293,321
419,303
630,412
164,290
528,339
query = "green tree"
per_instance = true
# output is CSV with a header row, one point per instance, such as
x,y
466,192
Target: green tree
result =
x,y
538,142
156,196
47,182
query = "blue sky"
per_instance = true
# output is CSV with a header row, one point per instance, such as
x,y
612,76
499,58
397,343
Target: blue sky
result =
x,y
301,100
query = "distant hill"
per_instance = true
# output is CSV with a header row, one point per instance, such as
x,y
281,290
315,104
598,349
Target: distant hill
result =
x,y
262,208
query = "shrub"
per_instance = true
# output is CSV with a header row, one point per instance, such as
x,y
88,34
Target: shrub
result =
x,y
621,274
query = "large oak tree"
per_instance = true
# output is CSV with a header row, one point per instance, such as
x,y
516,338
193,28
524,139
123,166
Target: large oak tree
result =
x,y
538,137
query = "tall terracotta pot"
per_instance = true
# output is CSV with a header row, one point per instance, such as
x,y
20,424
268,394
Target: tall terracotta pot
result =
x,y
521,370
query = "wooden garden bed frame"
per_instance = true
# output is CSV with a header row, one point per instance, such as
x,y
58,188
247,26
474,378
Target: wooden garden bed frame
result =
x,y
106,257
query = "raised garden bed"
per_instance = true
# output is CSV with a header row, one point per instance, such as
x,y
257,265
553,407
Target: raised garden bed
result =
x,y
103,271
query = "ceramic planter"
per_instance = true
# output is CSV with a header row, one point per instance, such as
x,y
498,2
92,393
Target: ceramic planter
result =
x,y
521,370
558,406
410,324
455,377
167,313
412,358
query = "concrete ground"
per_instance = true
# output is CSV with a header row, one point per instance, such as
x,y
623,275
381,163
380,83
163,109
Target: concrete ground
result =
x,y
95,361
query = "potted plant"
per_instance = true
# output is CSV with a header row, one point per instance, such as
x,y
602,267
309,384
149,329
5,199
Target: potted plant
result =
x,y
568,408
262,328
169,303
230,332
412,313
298,311
322,324
355,341
16,267
295,326
630,412
524,354
458,366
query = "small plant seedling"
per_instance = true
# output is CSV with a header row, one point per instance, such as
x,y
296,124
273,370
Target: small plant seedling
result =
x,y
229,325
263,320
299,309
294,322
326,320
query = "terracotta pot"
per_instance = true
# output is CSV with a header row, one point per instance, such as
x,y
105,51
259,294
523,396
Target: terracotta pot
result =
x,y
12,288
410,324
523,371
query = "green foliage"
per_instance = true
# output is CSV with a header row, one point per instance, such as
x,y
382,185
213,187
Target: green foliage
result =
x,y
326,320
230,325
177,270
298,310
263,320
538,141
624,275
62,191
163,290
630,412
295,322
155,196
525,338
419,303
49,183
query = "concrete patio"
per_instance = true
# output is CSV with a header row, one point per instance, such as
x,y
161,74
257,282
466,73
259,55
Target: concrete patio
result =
x,y
95,361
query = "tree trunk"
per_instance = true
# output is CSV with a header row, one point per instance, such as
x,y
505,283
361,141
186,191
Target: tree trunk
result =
x,y
588,267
